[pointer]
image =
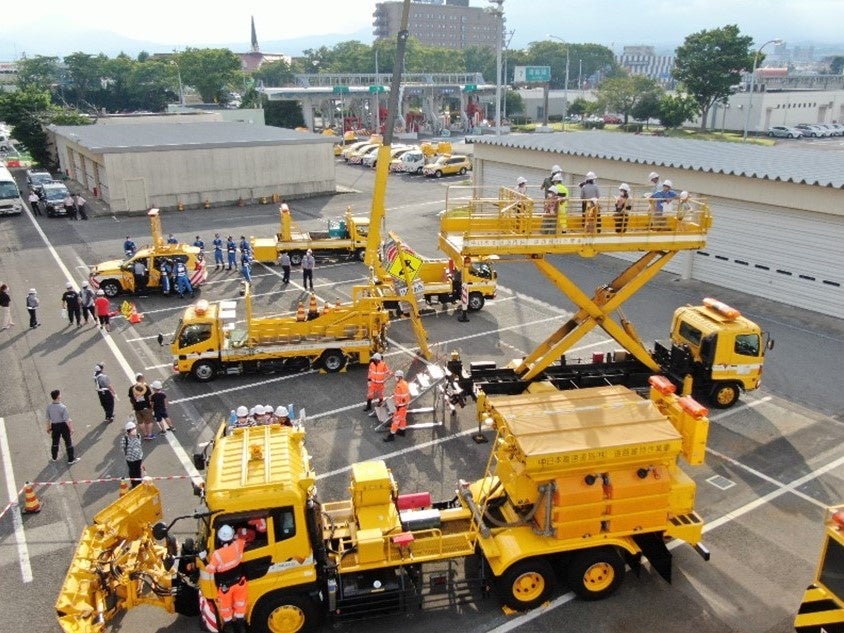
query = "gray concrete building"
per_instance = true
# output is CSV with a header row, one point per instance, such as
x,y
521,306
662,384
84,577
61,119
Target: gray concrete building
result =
x,y
133,167
450,24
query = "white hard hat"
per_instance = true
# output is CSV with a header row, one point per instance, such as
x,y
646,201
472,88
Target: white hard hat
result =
x,y
131,425
68,285
98,367
156,384
684,195
556,169
376,356
521,181
624,187
590,175
310,252
653,176
84,284
557,177
100,292
138,376
225,533
254,410
667,183
241,412
399,373
32,291
281,412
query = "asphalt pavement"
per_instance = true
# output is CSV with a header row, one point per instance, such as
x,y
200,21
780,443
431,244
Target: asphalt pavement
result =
x,y
774,461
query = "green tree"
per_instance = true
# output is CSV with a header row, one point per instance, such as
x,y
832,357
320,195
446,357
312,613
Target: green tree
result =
x,y
836,65
283,114
209,70
647,107
480,59
709,63
83,73
675,109
514,101
622,94
38,72
586,61
277,73
579,107
27,111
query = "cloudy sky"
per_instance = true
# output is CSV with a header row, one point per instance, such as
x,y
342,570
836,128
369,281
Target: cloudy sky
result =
x,y
53,27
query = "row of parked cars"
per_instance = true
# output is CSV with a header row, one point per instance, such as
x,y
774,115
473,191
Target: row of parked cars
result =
x,y
807,130
408,159
51,193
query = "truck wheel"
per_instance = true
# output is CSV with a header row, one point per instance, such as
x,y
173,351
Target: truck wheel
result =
x,y
111,288
284,613
295,258
595,573
462,171
333,360
204,370
438,174
527,584
724,395
476,301
361,254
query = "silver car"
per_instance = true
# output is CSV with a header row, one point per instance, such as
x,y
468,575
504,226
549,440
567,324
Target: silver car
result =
x,y
783,131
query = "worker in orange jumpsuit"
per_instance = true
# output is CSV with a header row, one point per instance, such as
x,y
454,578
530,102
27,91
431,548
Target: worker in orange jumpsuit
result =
x,y
376,379
401,398
229,576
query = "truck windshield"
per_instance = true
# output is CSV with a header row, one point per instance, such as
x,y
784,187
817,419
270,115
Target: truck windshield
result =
x,y
193,334
8,190
747,344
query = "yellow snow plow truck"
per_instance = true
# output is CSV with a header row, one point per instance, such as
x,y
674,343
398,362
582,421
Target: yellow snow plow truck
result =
x,y
580,483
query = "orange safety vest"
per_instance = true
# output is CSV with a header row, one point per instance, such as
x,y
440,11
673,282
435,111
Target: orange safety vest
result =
x,y
378,372
401,396
225,563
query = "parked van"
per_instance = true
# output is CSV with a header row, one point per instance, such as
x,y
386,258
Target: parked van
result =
x,y
10,196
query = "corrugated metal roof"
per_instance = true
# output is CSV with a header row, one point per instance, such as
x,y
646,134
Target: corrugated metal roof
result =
x,y
146,137
802,165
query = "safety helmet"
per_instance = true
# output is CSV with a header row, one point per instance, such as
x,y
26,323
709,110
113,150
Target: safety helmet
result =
x,y
98,367
100,292
376,356
282,412
558,177
667,183
254,409
32,291
131,425
684,195
624,187
68,285
84,284
556,169
399,373
156,384
241,412
521,181
590,175
225,533
653,176
139,376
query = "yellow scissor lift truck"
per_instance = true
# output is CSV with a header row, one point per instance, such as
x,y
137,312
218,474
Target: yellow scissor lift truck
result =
x,y
210,340
117,276
578,484
822,609
714,352
345,238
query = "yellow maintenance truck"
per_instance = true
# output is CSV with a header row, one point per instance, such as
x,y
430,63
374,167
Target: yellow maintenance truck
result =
x,y
343,238
209,340
119,276
822,609
579,484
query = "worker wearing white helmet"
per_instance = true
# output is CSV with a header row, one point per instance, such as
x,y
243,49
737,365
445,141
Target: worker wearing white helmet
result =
x,y
282,416
521,185
549,179
661,198
653,178
588,191
376,378
308,265
73,305
230,577
401,398
132,452
622,208
684,207
242,417
555,219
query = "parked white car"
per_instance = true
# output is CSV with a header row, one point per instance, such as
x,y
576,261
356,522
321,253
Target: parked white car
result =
x,y
783,131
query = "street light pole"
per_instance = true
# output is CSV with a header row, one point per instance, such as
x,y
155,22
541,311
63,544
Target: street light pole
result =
x,y
566,86
752,84
498,10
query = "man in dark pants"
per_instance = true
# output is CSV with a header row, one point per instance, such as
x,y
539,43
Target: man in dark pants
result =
x,y
105,392
308,263
59,425
71,303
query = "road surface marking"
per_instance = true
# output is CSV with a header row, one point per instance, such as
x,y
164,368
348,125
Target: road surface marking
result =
x,y
17,522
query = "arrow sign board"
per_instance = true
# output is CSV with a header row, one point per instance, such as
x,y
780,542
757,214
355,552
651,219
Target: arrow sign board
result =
x,y
532,74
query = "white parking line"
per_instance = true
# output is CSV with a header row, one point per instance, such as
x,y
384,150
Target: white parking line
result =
x,y
17,522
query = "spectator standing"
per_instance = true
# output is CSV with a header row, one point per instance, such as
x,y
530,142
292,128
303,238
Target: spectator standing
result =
x,y
549,179
159,407
69,207
622,208
32,304
33,202
86,299
663,196
103,310
218,251
653,178
243,245
557,211
521,185
71,303
79,204
129,247
171,239
284,261
200,244
308,264
589,191
60,427
105,392
5,308
231,252
133,452
139,396
141,275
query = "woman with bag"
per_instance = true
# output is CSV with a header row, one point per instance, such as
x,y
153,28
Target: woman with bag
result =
x,y
132,451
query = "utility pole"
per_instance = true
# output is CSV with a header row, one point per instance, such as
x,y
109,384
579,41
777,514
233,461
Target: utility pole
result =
x,y
498,10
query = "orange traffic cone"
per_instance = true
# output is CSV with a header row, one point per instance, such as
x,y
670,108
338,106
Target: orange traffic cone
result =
x,y
135,316
31,505
124,487
326,307
313,308
300,312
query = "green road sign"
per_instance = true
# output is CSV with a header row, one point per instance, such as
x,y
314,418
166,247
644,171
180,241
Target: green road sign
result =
x,y
340,90
470,87
374,89
532,74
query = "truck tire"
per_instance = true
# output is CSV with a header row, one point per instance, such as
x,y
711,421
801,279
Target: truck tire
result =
x,y
281,612
361,254
527,584
295,258
476,301
462,171
332,360
204,370
724,395
110,288
438,174
595,573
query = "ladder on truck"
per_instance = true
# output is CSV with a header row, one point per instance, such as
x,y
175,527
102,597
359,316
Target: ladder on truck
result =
x,y
432,379
515,227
